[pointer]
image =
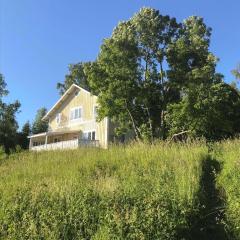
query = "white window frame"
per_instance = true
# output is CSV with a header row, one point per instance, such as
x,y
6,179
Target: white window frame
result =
x,y
90,131
58,118
73,110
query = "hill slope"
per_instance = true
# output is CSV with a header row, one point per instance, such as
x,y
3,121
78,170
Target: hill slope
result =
x,y
136,192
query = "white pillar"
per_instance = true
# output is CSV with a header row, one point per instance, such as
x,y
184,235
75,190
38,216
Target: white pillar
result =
x,y
46,140
106,132
30,143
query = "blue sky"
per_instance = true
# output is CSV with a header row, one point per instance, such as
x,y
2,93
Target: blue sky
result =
x,y
38,39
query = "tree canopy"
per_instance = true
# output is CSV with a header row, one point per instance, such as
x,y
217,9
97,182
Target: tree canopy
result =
x,y
76,75
129,74
157,77
208,107
151,68
22,139
39,125
236,72
8,123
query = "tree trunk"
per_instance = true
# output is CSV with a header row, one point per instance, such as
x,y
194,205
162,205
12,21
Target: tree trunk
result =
x,y
150,123
162,124
133,123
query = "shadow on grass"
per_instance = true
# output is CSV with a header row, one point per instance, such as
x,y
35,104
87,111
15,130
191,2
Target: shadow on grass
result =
x,y
207,223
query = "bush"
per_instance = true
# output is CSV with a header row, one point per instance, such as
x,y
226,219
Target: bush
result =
x,y
2,153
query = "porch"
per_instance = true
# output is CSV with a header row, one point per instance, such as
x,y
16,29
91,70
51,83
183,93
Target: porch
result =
x,y
61,140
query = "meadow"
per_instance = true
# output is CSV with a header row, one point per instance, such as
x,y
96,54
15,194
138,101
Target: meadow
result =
x,y
138,191
229,181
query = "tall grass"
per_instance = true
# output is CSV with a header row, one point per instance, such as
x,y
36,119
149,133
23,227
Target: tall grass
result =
x,y
229,180
137,191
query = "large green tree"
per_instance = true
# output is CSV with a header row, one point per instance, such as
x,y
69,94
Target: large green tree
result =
x,y
129,75
208,107
211,112
8,123
39,125
157,77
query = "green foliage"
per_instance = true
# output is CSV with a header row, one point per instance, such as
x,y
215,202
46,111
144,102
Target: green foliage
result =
x,y
140,191
8,123
3,85
136,192
158,78
2,154
22,137
211,112
190,61
39,125
129,76
236,72
18,149
26,129
208,107
76,75
229,180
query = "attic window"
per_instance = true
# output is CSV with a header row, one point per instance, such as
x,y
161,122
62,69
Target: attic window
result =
x,y
77,93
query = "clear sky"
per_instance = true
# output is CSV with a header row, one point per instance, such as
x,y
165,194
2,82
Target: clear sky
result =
x,y
39,38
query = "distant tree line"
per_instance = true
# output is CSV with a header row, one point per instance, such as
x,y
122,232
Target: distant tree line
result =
x,y
10,137
157,77
8,123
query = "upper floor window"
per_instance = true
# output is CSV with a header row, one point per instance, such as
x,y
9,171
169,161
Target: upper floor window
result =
x,y
58,118
76,113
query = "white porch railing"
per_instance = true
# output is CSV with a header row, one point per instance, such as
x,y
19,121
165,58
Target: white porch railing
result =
x,y
70,144
88,143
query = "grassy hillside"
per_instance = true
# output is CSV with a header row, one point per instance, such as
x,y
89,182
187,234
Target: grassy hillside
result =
x,y
229,181
140,191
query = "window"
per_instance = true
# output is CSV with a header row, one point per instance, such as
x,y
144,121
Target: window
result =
x,y
89,135
95,109
76,113
77,93
93,135
38,144
58,118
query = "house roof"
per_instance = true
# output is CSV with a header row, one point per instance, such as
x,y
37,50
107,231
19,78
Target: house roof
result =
x,y
62,99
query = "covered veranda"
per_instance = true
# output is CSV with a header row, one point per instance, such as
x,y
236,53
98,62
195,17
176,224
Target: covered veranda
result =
x,y
41,140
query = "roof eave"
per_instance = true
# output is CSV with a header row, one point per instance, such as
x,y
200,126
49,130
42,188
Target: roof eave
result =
x,y
68,92
47,116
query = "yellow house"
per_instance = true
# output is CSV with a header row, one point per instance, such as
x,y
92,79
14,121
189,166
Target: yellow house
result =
x,y
72,123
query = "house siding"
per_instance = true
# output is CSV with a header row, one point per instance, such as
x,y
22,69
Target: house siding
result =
x,y
87,102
